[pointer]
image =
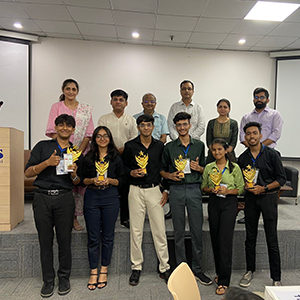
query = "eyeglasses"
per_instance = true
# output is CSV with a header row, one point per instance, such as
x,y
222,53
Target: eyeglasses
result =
x,y
147,101
260,97
187,89
104,136
182,125
143,125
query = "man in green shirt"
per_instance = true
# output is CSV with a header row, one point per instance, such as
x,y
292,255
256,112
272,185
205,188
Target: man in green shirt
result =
x,y
182,166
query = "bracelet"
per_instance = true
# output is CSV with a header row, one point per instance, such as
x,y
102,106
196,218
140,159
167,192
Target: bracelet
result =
x,y
75,178
34,170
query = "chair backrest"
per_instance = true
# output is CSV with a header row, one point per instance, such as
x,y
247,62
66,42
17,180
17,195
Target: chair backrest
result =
x,y
182,284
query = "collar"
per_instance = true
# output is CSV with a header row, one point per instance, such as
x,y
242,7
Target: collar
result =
x,y
214,164
138,141
266,109
178,142
155,114
55,140
191,103
262,150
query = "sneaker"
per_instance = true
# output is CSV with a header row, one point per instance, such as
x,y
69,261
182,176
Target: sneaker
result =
x,y
203,278
246,279
277,283
63,286
47,289
135,277
165,275
125,224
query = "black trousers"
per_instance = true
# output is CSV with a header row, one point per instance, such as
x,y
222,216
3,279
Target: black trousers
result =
x,y
124,211
58,212
222,215
254,205
101,208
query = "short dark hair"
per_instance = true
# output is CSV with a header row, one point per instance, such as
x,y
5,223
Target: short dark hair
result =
x,y
252,124
261,90
117,93
65,83
235,293
224,100
182,116
186,81
64,118
144,118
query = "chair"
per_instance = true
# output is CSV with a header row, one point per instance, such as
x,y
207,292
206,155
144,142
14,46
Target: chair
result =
x,y
28,182
292,181
182,284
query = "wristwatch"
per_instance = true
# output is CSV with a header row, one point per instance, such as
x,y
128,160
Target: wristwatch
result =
x,y
266,188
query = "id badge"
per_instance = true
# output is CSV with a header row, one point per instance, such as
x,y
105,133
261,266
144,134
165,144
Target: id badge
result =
x,y
187,169
60,168
220,195
68,161
256,176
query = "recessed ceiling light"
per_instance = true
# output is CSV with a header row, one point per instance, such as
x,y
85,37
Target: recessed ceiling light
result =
x,y
271,11
136,35
18,25
242,41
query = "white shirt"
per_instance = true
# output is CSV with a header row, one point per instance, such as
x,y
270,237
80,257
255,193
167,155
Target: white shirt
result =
x,y
122,129
197,119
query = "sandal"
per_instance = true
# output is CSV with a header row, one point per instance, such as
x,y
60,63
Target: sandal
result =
x,y
216,279
92,286
77,226
221,289
102,282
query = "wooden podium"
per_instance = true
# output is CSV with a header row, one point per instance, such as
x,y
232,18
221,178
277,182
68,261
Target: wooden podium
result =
x,y
11,178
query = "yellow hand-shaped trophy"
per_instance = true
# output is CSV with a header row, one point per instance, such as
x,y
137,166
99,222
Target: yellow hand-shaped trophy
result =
x,y
180,164
216,178
101,167
249,175
142,161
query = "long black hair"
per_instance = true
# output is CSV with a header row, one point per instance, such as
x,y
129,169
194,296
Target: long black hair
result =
x,y
93,154
229,156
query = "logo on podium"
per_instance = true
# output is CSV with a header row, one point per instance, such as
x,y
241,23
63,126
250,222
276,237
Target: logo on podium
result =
x,y
1,156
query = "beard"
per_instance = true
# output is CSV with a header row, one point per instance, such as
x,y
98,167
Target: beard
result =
x,y
260,105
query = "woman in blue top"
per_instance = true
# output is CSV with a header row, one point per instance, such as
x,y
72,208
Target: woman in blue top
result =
x,y
223,180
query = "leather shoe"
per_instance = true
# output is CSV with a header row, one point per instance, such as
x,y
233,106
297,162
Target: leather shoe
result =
x,y
125,224
135,277
168,215
241,221
165,275
47,289
63,286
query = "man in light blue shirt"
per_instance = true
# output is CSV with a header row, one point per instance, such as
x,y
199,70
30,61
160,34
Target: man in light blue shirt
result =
x,y
161,130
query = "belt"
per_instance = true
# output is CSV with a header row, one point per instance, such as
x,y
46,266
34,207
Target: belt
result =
x,y
146,185
52,192
101,188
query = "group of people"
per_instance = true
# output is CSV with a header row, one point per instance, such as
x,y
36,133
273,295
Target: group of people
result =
x,y
124,162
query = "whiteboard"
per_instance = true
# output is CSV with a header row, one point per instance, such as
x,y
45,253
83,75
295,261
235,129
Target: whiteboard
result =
x,y
14,87
288,104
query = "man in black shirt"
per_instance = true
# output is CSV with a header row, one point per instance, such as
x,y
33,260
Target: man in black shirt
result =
x,y
142,158
53,203
262,197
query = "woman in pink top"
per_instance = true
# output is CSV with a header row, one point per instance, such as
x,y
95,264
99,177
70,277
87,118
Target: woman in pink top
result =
x,y
83,131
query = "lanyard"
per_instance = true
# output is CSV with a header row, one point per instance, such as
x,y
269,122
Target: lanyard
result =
x,y
223,170
254,160
61,150
186,151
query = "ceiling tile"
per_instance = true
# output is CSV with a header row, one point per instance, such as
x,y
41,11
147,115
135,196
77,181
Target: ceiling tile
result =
x,y
135,20
40,1
169,44
126,33
295,44
165,36
176,23
100,39
287,29
57,27
255,27
97,30
27,24
11,10
148,6
207,38
294,17
276,41
67,36
201,46
216,25
182,8
236,47
265,49
46,12
137,42
91,15
89,3
251,40
228,9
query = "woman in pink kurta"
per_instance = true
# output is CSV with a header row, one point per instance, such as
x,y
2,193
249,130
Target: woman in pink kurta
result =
x,y
83,131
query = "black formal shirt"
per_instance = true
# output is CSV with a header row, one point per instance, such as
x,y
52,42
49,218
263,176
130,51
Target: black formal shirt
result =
x,y
154,152
269,164
115,169
48,179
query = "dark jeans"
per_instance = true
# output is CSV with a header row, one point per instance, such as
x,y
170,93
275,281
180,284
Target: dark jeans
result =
x,y
189,196
222,215
254,205
58,212
124,211
101,208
